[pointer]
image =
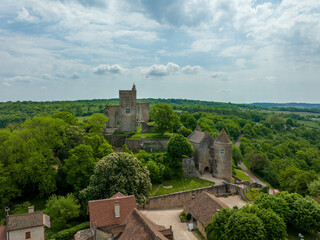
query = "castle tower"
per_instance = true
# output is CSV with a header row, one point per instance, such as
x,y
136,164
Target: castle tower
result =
x,y
222,163
127,109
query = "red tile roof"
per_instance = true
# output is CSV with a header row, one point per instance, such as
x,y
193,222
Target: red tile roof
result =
x,y
102,212
27,220
223,137
3,231
139,227
203,206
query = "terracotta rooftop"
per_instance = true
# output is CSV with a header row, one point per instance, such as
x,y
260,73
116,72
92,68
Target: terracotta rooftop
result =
x,y
102,212
3,231
27,220
223,137
139,227
203,206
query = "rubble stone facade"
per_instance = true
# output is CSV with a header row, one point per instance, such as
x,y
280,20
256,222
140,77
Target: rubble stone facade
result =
x,y
128,114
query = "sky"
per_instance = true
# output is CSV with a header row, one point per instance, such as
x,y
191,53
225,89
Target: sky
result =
x,y
238,51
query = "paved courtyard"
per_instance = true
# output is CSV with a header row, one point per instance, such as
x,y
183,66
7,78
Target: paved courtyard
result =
x,y
169,217
232,201
208,176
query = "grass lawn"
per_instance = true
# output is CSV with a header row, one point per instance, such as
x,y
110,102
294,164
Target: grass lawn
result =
x,y
293,234
179,185
151,135
310,124
240,174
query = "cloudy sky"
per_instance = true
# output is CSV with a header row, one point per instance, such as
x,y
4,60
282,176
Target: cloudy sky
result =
x,y
238,51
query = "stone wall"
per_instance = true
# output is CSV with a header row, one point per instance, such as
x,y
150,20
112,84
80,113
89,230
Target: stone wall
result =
x,y
189,168
146,128
115,140
178,199
149,145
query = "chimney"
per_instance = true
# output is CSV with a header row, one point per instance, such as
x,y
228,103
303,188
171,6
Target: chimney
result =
x,y
31,209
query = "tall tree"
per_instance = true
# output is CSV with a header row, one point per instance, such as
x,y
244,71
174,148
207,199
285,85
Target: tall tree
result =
x,y
118,172
164,117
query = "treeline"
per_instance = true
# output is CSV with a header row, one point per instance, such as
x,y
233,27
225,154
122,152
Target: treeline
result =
x,y
18,112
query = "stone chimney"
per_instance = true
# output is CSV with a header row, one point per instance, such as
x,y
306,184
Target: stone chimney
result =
x,y
31,209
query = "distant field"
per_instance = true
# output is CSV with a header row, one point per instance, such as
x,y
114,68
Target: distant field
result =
x,y
309,124
298,113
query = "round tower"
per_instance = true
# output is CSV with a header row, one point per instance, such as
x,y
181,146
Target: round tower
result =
x,y
222,163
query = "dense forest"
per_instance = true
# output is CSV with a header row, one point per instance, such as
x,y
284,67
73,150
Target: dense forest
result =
x,y
44,147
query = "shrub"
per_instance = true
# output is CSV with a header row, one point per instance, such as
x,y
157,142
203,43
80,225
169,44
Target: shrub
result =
x,y
68,233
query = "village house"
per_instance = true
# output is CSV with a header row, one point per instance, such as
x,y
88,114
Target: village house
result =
x,y
30,225
201,208
119,218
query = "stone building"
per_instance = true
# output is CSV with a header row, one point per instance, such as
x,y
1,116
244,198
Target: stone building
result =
x,y
212,155
30,225
128,114
118,218
201,208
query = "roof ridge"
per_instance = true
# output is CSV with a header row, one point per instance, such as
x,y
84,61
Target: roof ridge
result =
x,y
107,199
142,220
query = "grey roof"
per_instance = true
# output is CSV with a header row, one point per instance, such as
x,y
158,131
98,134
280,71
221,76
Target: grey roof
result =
x,y
196,136
223,137
203,206
27,220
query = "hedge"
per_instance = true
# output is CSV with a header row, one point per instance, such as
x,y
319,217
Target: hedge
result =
x,y
68,233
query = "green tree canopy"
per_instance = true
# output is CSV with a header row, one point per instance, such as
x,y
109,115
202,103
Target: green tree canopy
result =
x,y
314,188
178,146
164,117
118,172
62,209
96,123
306,213
79,167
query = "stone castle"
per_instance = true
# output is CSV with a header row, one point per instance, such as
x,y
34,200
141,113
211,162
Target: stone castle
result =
x,y
212,155
128,114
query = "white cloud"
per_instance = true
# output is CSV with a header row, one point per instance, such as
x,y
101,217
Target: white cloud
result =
x,y
104,69
160,70
21,79
218,75
191,69
24,16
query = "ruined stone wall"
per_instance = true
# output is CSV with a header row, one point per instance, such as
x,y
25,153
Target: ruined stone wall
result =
x,y
143,112
149,145
204,154
189,168
145,128
115,140
112,113
222,164
178,199
127,110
